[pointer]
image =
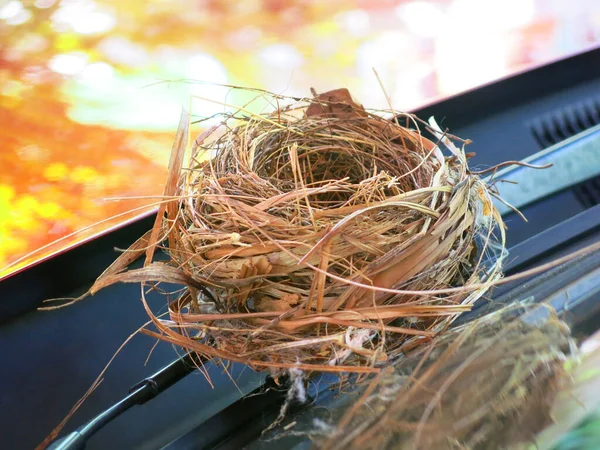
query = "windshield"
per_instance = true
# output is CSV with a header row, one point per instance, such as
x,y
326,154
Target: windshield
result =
x,y
89,97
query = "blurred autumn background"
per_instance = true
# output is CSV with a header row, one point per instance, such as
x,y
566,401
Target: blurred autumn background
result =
x,y
82,119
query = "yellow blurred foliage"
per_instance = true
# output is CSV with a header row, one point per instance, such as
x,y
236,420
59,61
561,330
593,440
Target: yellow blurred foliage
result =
x,y
56,172
10,245
66,42
26,204
50,211
7,193
83,174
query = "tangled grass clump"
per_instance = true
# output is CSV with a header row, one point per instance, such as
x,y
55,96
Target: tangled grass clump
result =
x,y
488,384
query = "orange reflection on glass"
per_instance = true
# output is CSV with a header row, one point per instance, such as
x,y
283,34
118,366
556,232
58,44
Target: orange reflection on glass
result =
x,y
82,118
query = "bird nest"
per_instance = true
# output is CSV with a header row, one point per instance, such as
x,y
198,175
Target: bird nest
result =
x,y
320,236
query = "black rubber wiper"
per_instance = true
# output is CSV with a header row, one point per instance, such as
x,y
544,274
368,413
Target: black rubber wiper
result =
x,y
139,394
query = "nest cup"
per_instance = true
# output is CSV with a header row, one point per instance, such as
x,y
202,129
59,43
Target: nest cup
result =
x,y
313,237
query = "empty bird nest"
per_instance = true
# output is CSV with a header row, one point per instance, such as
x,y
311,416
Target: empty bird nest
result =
x,y
321,236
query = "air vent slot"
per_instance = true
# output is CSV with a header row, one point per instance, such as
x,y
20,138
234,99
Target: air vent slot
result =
x,y
588,192
561,124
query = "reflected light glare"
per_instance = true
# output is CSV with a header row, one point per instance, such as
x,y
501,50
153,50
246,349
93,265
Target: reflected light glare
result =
x,y
43,4
356,22
504,14
83,17
244,38
20,18
32,43
11,9
14,13
122,51
421,18
388,50
208,69
467,58
97,73
281,56
68,64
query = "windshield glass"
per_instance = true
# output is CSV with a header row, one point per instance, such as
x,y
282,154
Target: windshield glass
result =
x,y
89,99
